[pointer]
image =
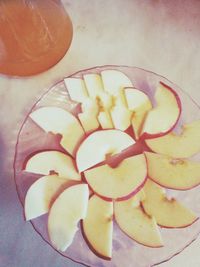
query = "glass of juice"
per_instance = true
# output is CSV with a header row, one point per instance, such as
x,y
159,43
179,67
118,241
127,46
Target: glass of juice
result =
x,y
34,35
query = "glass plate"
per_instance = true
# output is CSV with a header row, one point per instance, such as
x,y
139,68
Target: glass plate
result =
x,y
126,252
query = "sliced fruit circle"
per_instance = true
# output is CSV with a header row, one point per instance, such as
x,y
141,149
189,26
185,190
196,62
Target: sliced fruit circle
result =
x,y
122,245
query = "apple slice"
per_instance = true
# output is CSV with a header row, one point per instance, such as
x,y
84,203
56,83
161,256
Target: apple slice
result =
x,y
105,120
67,210
120,182
173,173
121,117
97,145
114,81
47,161
89,122
139,103
167,212
97,227
76,89
59,121
162,118
135,223
41,194
90,106
96,91
183,145
93,84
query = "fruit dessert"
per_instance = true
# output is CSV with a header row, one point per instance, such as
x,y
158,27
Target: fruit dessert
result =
x,y
118,154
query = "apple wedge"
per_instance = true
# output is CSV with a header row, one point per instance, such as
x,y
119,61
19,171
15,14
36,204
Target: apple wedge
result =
x,y
97,227
41,193
162,118
67,210
168,212
47,161
114,81
183,145
121,117
134,222
139,103
105,120
179,174
59,121
76,89
120,182
93,84
90,106
97,145
88,121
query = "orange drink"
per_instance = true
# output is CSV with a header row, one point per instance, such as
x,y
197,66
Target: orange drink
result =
x,y
34,35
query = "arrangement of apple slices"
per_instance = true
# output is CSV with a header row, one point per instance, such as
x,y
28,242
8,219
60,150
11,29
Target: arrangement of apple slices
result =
x,y
114,118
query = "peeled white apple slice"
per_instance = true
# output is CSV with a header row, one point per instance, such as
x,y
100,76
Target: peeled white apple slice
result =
x,y
90,106
96,146
121,117
67,210
105,120
95,89
120,182
105,100
41,193
167,212
135,223
59,121
76,89
179,174
47,161
97,227
93,84
139,103
162,118
89,122
183,145
114,81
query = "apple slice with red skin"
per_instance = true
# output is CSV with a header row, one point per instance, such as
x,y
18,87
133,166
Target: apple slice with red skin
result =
x,y
120,182
98,145
178,174
46,161
60,121
97,227
168,212
134,222
114,81
182,145
139,103
162,119
65,213
41,193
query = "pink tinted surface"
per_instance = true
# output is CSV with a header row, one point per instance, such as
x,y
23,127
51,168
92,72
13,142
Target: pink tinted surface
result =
x,y
157,35
125,251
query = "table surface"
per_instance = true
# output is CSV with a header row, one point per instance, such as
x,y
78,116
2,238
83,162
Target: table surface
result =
x,y
157,35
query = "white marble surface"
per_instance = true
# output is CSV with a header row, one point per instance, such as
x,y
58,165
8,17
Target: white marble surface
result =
x,y
158,35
